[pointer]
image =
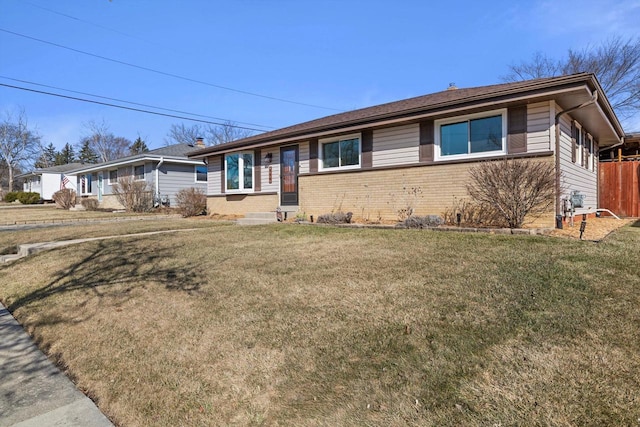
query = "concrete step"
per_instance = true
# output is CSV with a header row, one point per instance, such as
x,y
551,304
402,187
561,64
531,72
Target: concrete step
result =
x,y
261,215
255,221
10,257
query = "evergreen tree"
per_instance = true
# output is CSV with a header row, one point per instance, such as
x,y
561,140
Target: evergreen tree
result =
x,y
47,157
138,147
87,154
66,155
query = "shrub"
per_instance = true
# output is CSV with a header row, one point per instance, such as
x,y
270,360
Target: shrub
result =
x,y
423,221
90,204
134,196
191,202
335,218
473,214
11,196
514,188
28,198
65,198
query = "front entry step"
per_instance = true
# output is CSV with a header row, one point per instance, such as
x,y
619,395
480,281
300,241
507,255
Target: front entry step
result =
x,y
258,218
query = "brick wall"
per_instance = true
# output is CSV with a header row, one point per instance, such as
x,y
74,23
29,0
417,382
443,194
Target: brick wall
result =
x,y
241,204
380,194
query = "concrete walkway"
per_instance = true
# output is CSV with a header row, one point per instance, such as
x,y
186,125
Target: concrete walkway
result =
x,y
33,391
32,248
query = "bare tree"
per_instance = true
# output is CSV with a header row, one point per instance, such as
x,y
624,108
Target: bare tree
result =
x,y
103,142
616,63
19,145
514,188
226,132
181,134
212,134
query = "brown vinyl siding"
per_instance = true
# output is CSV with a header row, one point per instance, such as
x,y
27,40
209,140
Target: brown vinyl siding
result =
x,y
427,143
517,130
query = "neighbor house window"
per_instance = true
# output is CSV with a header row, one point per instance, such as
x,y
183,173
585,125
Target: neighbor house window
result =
x,y
85,184
113,176
138,172
343,152
475,135
201,173
239,171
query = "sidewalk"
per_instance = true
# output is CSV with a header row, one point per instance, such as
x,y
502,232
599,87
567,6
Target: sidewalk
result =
x,y
33,391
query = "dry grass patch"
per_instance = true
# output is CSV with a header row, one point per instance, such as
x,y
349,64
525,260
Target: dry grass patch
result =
x,y
49,213
9,239
287,325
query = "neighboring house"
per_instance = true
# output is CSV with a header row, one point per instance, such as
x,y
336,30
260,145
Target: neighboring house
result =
x,y
166,171
47,181
376,161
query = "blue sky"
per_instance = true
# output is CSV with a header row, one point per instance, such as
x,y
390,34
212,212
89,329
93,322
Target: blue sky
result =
x,y
331,55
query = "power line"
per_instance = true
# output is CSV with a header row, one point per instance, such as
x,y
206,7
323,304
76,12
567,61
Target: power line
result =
x,y
134,103
129,108
86,22
168,74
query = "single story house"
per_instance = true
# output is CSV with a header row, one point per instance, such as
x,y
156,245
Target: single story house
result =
x,y
166,170
376,161
47,181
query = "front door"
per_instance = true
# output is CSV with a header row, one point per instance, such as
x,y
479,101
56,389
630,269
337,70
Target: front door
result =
x,y
289,176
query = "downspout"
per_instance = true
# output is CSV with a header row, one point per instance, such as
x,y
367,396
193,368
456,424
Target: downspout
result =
x,y
593,100
158,179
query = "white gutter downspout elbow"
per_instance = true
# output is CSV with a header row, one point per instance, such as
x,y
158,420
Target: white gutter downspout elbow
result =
x,y
593,100
158,177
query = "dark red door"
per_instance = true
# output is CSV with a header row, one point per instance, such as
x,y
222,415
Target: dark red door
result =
x,y
289,175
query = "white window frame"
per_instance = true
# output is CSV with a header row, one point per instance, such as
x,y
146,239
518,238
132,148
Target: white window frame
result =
x,y
195,173
135,177
240,188
109,181
88,179
467,118
323,141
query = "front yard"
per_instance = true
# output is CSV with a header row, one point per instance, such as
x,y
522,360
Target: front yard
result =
x,y
313,326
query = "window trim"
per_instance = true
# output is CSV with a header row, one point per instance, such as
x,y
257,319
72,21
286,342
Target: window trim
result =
x,y
109,180
195,173
339,138
240,189
135,177
437,124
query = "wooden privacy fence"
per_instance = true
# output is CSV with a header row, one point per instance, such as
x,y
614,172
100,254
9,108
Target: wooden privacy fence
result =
x,y
619,187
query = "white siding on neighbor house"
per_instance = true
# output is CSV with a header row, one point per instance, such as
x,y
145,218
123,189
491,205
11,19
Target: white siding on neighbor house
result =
x,y
396,146
539,123
575,176
303,157
274,186
214,175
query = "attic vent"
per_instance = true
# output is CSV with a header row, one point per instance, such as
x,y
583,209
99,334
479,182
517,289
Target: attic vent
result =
x,y
452,86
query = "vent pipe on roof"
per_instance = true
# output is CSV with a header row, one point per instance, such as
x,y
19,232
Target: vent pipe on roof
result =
x,y
452,86
200,142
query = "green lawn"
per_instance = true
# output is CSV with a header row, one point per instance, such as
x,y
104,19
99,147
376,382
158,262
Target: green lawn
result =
x,y
318,326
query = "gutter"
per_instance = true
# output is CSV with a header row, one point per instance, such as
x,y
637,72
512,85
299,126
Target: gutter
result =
x,y
593,100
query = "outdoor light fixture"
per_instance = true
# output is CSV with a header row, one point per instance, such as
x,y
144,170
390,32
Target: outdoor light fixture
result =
x,y
268,158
